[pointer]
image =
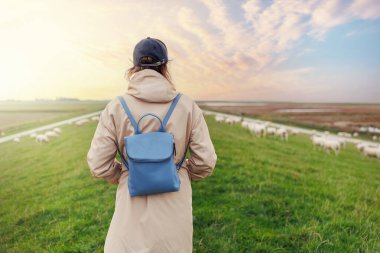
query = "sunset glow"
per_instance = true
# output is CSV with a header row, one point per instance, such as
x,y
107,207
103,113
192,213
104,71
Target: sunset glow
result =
x,y
234,50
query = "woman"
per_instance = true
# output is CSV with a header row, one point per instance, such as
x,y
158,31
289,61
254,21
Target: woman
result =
x,y
160,222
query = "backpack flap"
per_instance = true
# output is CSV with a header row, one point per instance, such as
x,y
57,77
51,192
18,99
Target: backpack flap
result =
x,y
149,147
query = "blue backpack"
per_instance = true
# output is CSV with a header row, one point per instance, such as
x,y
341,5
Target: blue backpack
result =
x,y
151,157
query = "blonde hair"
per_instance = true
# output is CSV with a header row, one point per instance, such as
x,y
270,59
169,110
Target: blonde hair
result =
x,y
162,69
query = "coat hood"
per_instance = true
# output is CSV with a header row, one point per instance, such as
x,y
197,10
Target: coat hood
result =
x,y
149,85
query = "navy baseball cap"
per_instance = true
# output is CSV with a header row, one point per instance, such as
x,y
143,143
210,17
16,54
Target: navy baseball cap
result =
x,y
154,48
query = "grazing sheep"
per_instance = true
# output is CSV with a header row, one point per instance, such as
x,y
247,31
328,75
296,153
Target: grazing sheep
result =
x,y
282,133
271,131
258,129
294,131
42,138
51,134
229,121
317,141
245,124
371,151
344,134
333,145
96,118
33,135
81,122
17,140
57,130
219,118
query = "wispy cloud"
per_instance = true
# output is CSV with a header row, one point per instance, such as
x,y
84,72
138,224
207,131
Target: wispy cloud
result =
x,y
219,49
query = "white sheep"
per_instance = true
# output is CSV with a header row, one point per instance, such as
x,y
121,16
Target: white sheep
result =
x,y
81,122
57,130
258,129
333,145
271,131
42,138
371,151
219,118
282,133
317,141
17,140
245,124
229,120
51,134
294,131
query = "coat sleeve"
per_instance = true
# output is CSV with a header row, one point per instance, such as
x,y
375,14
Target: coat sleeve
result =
x,y
101,157
202,153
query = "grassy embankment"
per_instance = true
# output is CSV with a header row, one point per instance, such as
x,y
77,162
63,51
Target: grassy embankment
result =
x,y
264,196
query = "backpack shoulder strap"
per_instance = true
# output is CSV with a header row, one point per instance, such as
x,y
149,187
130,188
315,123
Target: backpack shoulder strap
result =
x,y
126,109
124,161
171,108
179,164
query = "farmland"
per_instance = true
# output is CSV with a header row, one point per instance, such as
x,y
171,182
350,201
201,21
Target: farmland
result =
x,y
16,116
265,195
332,117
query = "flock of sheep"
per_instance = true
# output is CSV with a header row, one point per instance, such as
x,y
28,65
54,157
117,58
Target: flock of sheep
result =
x,y
46,136
322,141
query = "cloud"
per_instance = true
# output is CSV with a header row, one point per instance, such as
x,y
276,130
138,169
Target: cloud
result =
x,y
218,49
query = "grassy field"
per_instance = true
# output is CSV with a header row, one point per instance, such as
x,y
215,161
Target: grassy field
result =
x,y
17,116
264,196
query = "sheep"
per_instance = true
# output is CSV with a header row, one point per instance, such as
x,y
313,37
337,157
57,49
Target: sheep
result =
x,y
17,140
42,138
371,151
51,134
344,134
245,124
219,118
317,141
81,122
333,145
271,131
236,119
57,130
96,118
282,133
258,129
229,121
294,131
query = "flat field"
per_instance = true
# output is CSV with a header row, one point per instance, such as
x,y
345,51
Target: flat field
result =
x,y
16,116
333,117
265,195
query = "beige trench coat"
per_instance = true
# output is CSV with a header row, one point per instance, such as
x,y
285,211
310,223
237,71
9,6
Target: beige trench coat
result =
x,y
161,222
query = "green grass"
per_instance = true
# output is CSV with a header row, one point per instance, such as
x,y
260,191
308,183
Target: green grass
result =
x,y
264,196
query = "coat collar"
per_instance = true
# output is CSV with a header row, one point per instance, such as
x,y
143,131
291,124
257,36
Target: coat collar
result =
x,y
151,86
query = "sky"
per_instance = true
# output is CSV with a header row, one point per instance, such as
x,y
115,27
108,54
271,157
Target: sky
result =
x,y
268,50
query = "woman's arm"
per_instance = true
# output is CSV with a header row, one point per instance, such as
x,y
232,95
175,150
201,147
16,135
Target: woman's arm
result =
x,y
101,157
202,154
